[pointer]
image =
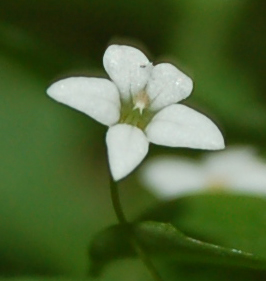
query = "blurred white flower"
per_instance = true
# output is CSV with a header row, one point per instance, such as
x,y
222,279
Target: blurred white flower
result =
x,y
139,107
235,170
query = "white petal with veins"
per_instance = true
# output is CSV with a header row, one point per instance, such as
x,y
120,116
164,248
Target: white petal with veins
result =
x,y
180,126
127,146
96,97
167,85
128,67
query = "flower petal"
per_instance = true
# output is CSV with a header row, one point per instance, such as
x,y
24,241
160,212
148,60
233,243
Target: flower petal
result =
x,y
239,169
127,146
96,97
180,126
167,85
169,177
252,181
233,160
128,67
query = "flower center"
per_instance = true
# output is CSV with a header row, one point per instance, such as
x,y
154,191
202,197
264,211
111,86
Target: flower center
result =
x,y
133,112
217,184
141,101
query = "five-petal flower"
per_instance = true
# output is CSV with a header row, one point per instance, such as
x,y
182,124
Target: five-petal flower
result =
x,y
237,169
138,105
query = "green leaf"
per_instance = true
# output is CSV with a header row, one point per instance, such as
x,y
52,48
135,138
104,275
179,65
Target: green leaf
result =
x,y
227,220
110,244
164,242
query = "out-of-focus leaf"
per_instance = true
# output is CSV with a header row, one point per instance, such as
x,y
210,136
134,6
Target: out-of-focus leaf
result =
x,y
42,279
74,26
46,210
222,85
110,244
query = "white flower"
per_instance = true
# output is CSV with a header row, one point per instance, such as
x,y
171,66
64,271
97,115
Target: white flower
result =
x,y
236,170
138,105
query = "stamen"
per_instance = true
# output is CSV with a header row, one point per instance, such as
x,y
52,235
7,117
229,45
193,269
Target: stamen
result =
x,y
141,101
140,106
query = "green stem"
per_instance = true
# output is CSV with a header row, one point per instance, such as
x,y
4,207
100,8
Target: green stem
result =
x,y
116,202
146,260
122,220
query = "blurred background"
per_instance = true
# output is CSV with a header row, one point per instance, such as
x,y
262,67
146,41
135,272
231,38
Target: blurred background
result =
x,y
54,194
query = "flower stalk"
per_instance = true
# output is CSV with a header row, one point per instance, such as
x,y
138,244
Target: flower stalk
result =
x,y
116,202
135,244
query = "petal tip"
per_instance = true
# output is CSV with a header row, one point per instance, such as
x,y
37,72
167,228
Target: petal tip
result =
x,y
221,144
217,142
127,147
57,89
51,90
116,175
